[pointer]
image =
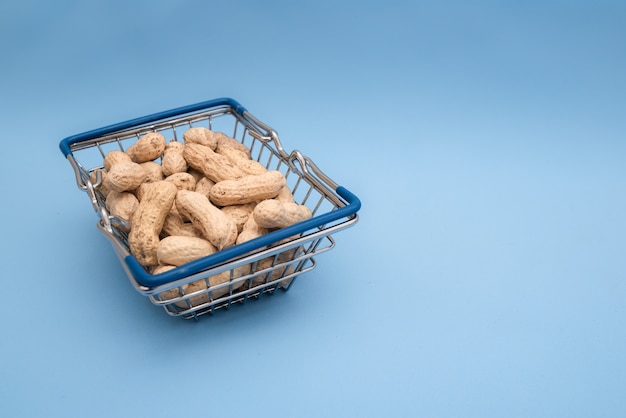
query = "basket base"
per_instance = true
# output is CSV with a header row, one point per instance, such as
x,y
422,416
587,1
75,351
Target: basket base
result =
x,y
239,298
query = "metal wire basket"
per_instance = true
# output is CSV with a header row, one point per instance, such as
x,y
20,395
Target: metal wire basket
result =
x,y
270,262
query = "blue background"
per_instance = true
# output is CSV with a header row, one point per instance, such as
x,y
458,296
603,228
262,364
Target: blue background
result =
x,y
486,276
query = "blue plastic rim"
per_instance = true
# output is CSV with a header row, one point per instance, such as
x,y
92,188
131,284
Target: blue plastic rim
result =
x,y
149,280
66,143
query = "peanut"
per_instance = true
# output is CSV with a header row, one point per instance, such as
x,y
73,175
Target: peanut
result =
x,y
241,160
148,219
276,273
141,189
250,230
271,213
197,286
224,141
215,225
153,170
197,174
113,157
201,286
285,195
204,186
171,293
149,147
174,224
125,176
239,213
213,165
200,135
215,280
173,160
177,250
247,189
188,288
122,204
182,181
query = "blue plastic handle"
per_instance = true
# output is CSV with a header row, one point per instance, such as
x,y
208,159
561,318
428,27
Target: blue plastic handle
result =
x,y
151,281
66,143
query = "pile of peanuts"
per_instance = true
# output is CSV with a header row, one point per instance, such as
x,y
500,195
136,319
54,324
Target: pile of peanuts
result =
x,y
187,200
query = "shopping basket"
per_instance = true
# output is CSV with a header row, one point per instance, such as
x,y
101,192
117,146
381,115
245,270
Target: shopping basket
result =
x,y
270,262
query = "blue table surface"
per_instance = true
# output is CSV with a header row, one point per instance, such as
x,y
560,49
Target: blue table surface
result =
x,y
486,276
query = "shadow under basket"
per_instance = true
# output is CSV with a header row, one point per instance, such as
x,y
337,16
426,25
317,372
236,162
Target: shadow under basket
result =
x,y
244,271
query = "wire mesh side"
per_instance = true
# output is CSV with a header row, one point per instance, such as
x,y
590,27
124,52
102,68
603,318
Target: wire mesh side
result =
x,y
241,281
